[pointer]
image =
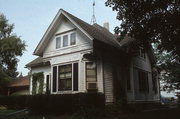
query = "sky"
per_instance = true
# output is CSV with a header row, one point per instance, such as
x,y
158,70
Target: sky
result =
x,y
32,18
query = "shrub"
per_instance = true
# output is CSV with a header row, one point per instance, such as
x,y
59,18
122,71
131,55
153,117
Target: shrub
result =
x,y
14,102
55,104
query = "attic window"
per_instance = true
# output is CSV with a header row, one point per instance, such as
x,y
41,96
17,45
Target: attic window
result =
x,y
58,42
72,39
67,40
142,52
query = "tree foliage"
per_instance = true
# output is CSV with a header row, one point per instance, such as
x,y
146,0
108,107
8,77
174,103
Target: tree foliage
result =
x,y
157,22
170,71
150,21
11,46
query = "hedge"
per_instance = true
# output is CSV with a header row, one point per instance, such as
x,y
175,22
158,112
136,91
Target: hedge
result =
x,y
54,104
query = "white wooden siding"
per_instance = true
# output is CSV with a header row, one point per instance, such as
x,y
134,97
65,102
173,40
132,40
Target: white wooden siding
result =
x,y
108,82
143,64
100,76
82,41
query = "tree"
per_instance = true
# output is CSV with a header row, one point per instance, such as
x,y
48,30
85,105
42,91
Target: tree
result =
x,y
11,46
150,21
170,71
153,22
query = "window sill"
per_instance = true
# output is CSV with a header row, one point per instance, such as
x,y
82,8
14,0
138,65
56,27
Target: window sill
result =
x,y
63,48
65,92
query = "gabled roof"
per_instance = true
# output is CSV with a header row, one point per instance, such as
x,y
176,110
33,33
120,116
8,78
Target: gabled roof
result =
x,y
94,32
20,82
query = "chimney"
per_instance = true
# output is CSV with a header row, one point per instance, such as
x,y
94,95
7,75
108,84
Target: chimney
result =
x,y
106,25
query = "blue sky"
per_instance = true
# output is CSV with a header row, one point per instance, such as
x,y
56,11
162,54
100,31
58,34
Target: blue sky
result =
x,y
32,17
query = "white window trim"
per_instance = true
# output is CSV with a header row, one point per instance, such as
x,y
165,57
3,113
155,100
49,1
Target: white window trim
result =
x,y
66,91
69,40
86,76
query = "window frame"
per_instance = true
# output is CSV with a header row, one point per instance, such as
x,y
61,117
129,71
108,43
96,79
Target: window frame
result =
x,y
86,74
66,78
62,46
74,40
72,81
58,38
143,83
142,53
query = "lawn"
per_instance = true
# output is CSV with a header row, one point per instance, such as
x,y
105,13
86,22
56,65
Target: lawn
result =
x,y
156,114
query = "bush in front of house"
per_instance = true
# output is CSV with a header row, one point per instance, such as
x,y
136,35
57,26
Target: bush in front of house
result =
x,y
65,103
14,102
55,104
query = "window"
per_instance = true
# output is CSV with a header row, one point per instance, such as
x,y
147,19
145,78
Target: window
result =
x,y
72,39
90,72
65,40
143,81
58,42
142,52
91,76
65,77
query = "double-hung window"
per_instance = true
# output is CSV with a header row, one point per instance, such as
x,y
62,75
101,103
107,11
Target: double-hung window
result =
x,y
72,38
91,75
65,77
142,52
143,81
58,42
66,40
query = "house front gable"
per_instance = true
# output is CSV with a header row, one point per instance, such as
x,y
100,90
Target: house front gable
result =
x,y
54,27
66,39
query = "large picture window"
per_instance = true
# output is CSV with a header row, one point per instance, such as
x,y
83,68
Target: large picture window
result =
x,y
143,81
65,77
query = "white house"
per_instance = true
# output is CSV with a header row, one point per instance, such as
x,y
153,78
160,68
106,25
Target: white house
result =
x,y
75,56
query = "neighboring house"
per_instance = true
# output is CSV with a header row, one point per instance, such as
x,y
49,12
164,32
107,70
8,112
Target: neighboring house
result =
x,y
78,57
19,86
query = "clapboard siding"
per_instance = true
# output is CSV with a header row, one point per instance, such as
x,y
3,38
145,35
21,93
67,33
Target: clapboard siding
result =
x,y
108,82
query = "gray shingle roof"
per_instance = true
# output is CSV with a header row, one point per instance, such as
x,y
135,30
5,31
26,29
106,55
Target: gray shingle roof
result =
x,y
37,62
96,31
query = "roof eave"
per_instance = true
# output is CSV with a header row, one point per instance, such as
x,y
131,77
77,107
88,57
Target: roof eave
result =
x,y
39,51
